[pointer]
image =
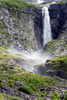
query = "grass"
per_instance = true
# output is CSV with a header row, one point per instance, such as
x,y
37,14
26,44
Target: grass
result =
x,y
55,96
1,97
32,82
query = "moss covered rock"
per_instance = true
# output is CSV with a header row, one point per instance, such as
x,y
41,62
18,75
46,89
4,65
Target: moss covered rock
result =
x,y
57,67
57,47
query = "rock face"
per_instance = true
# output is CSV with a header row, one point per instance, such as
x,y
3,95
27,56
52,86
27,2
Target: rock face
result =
x,y
24,29
58,16
21,30
58,47
55,67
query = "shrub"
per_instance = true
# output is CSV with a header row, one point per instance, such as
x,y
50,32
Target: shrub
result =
x,y
1,96
55,96
25,89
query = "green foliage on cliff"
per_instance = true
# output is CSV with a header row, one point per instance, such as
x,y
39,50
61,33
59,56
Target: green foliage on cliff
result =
x,y
58,46
50,46
62,2
14,5
58,65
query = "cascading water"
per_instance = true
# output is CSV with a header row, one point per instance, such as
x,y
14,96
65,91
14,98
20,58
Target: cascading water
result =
x,y
46,26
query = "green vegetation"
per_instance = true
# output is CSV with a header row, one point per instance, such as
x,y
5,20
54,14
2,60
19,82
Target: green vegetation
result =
x,y
14,28
31,81
61,1
50,46
55,96
1,97
58,46
15,98
58,64
15,6
11,73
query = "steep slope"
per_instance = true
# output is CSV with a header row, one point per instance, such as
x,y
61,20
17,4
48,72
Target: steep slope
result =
x,y
21,27
58,46
58,16
19,24
17,84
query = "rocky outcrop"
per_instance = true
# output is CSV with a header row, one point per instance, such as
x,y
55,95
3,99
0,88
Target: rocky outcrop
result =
x,y
58,16
21,30
55,67
57,47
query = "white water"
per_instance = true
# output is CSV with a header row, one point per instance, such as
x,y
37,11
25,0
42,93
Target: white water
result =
x,y
40,1
46,26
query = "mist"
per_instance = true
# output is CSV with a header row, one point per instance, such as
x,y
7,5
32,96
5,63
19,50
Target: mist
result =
x,y
31,59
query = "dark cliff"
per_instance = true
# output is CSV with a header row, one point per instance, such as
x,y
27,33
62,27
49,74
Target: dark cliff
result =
x,y
58,16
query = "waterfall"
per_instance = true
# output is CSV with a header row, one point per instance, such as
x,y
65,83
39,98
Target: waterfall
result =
x,y
46,26
40,1
31,60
